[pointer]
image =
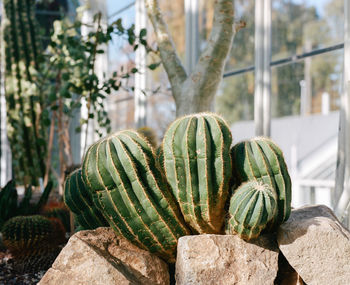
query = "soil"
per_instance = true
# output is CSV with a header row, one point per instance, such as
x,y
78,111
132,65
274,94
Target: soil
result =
x,y
10,276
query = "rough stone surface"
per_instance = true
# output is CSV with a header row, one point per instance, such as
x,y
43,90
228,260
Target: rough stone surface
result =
x,y
226,259
286,273
100,257
316,245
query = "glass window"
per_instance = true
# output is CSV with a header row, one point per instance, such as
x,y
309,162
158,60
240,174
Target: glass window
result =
x,y
235,98
308,86
300,26
120,104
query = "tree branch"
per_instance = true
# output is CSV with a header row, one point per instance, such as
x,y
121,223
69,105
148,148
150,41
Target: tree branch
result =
x,y
170,59
202,84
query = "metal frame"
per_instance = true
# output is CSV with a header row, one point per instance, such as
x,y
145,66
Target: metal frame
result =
x,y
343,170
140,97
262,96
192,34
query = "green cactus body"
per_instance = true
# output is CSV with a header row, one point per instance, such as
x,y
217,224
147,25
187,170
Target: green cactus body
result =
x,y
253,205
132,193
26,132
79,200
260,159
23,235
197,164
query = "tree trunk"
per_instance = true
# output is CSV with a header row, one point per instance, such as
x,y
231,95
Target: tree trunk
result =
x,y
195,92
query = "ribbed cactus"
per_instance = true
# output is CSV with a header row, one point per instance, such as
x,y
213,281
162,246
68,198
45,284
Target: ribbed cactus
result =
x,y
253,205
24,235
79,200
261,159
197,164
132,193
24,103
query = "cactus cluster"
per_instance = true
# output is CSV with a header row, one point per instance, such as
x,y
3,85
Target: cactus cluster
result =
x,y
24,103
152,199
79,199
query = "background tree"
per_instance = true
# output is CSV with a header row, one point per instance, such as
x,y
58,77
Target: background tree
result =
x,y
195,92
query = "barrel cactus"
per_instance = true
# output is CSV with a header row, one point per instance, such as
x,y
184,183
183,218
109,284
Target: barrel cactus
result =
x,y
253,205
79,200
262,160
25,235
120,170
197,163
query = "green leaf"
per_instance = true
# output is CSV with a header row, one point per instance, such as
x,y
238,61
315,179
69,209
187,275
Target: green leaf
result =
x,y
153,66
143,33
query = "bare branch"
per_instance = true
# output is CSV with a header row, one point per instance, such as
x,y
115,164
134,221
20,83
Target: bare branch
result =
x,y
202,84
170,59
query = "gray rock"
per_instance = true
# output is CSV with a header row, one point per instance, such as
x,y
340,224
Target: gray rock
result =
x,y
316,245
100,257
226,259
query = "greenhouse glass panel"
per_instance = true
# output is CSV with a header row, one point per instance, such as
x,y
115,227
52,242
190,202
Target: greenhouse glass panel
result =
x,y
301,26
235,98
307,87
121,58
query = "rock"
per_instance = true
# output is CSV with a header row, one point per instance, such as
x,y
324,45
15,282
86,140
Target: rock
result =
x,y
316,245
286,274
226,259
100,257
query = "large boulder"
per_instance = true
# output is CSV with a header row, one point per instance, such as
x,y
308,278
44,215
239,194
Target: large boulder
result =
x,y
100,257
226,259
316,245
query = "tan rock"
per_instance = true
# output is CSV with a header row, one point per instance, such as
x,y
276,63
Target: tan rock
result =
x,y
100,257
226,259
316,245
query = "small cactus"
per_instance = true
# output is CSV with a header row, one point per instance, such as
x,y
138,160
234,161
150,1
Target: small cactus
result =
x,y
79,200
262,160
253,205
197,165
130,190
23,235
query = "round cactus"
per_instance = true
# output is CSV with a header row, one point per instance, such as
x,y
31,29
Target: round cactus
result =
x,y
262,160
253,205
197,163
132,193
27,234
79,200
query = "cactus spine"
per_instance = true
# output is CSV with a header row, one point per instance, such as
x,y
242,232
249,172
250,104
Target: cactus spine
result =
x,y
24,103
260,159
198,168
132,193
79,200
253,205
